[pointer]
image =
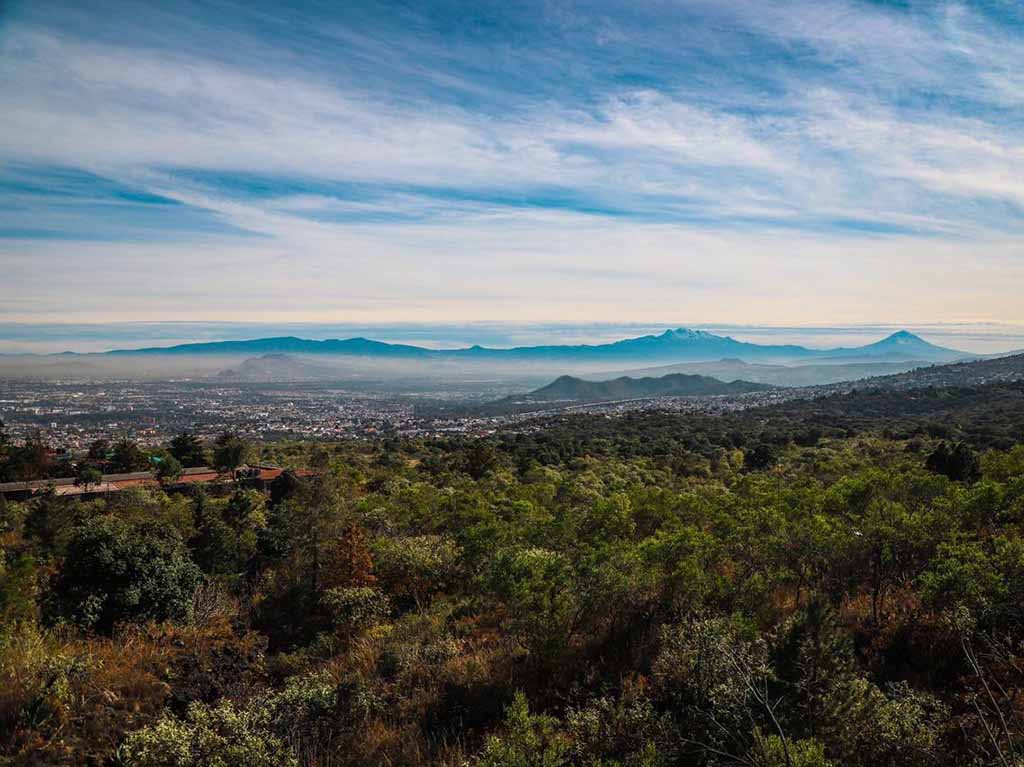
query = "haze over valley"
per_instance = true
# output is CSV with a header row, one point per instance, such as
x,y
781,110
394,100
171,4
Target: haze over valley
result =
x,y
306,388
286,358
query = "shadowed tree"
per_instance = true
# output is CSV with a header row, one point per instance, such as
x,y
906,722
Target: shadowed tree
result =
x,y
99,450
229,452
5,444
128,457
761,457
188,449
960,463
29,462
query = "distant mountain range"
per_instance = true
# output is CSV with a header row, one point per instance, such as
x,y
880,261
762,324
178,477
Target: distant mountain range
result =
x,y
680,345
350,347
569,388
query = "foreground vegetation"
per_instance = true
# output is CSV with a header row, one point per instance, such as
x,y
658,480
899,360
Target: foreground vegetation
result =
x,y
772,589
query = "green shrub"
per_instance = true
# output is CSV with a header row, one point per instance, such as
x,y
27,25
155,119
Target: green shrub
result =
x,y
356,607
772,751
220,736
986,579
628,731
530,740
413,567
115,571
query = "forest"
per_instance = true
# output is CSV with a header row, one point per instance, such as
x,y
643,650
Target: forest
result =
x,y
831,583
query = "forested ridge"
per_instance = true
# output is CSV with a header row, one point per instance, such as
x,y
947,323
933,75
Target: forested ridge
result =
x,y
834,582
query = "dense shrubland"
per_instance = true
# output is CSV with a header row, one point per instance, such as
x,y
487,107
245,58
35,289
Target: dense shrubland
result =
x,y
655,590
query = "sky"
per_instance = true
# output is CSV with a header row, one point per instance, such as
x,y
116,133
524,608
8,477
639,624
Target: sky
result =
x,y
797,162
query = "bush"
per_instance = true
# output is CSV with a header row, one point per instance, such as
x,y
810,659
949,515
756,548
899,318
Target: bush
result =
x,y
356,607
35,686
530,740
315,712
115,571
628,731
415,566
985,579
772,751
221,736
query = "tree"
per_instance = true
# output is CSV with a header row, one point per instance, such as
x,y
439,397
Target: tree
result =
x,y
128,457
5,444
213,542
860,723
481,459
229,452
960,463
761,457
245,515
888,536
31,461
87,475
168,470
98,450
284,486
315,547
18,592
986,579
116,571
188,449
719,680
413,566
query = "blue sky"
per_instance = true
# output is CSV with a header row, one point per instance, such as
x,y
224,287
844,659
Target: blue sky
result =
x,y
736,161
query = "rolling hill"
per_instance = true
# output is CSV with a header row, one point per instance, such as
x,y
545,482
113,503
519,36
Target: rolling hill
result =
x,y
1006,369
810,374
569,388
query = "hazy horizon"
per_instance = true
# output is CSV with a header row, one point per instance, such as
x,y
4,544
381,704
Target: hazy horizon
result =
x,y
49,338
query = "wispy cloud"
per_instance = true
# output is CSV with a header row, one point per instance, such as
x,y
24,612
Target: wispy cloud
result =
x,y
387,161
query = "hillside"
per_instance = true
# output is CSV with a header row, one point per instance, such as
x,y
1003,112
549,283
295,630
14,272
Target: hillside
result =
x,y
812,374
577,551
973,373
568,388
912,374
